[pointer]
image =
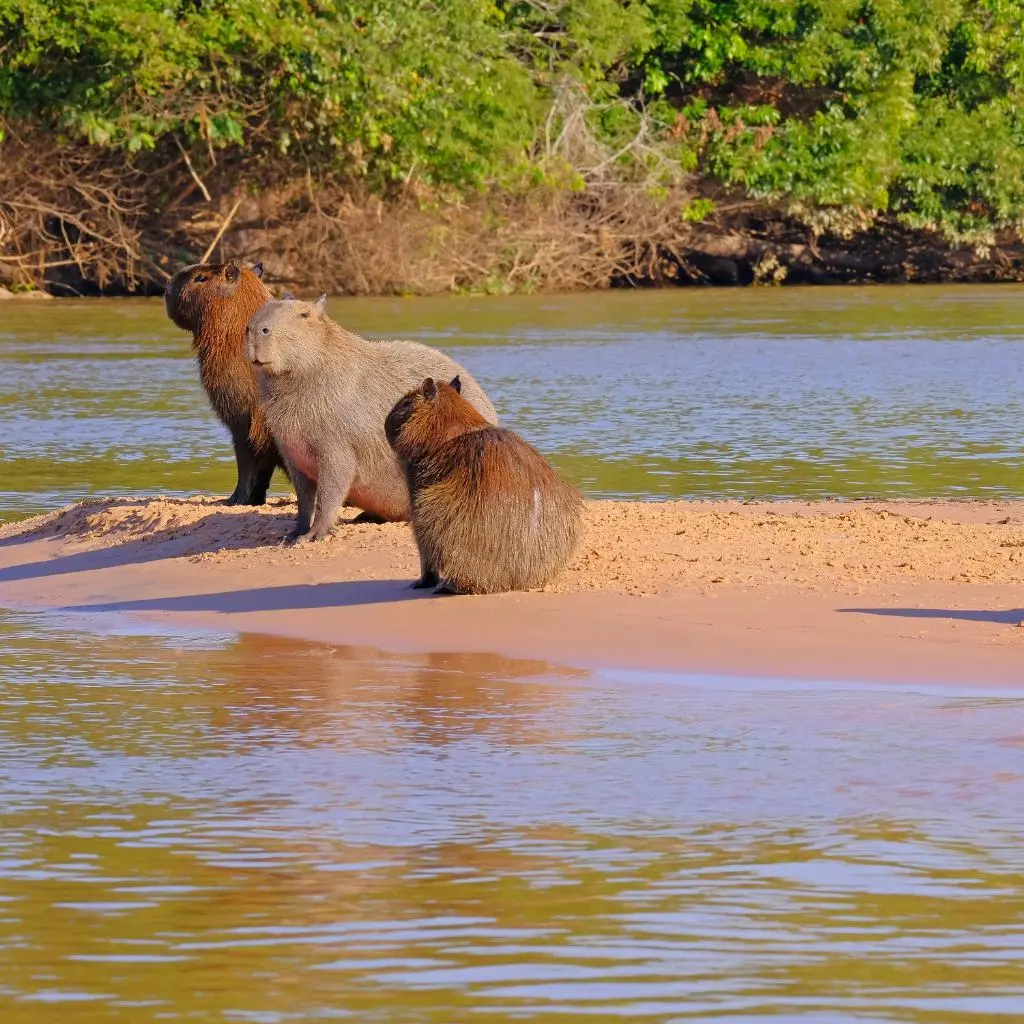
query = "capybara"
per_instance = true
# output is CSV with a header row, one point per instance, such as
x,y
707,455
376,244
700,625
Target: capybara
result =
x,y
326,393
488,512
215,301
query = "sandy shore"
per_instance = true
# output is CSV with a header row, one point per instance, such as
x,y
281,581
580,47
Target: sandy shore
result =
x,y
872,591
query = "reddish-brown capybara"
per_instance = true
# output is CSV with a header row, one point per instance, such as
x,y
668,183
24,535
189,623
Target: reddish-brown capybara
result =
x,y
215,301
488,512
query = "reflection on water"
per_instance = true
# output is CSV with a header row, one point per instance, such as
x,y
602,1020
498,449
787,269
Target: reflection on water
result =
x,y
912,391
244,829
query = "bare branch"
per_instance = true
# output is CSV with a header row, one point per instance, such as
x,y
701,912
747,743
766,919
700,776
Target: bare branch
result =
x,y
192,170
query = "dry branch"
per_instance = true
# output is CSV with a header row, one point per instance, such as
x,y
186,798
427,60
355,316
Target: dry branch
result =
x,y
72,221
225,224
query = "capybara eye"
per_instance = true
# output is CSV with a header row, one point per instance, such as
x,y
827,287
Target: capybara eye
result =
x,y
305,316
200,279
264,330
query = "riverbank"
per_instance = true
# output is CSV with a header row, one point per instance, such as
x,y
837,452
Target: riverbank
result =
x,y
875,591
344,240
546,241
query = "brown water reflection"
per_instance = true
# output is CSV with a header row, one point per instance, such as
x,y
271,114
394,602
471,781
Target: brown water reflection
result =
x,y
246,829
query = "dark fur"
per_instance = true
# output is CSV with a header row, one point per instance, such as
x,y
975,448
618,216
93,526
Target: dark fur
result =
x,y
215,301
488,512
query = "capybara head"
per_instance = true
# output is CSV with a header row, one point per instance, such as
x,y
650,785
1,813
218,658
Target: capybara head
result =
x,y
282,335
204,290
430,414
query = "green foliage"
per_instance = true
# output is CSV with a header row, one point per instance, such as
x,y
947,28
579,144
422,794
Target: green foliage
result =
x,y
697,210
909,108
368,86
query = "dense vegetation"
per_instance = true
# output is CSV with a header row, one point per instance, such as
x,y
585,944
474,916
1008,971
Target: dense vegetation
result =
x,y
832,113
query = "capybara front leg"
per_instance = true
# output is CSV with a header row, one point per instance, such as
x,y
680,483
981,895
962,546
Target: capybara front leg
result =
x,y
266,463
305,492
428,574
245,462
428,578
335,482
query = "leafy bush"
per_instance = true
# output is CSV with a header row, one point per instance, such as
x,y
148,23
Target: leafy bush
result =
x,y
383,88
906,108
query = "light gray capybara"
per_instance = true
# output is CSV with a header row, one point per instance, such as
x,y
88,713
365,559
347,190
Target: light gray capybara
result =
x,y
326,393
488,512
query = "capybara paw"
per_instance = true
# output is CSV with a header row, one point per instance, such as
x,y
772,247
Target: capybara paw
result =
x,y
246,499
428,579
446,588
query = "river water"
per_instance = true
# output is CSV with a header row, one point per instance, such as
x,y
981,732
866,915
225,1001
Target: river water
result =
x,y
222,828
789,393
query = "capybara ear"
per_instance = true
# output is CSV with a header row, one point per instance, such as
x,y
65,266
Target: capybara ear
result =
x,y
429,389
257,269
321,304
456,383
231,273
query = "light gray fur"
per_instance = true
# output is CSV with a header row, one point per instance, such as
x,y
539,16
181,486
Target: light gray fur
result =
x,y
326,395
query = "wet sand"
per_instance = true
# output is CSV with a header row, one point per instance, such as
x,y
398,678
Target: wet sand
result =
x,y
927,592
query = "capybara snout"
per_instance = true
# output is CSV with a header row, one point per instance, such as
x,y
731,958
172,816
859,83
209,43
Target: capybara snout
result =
x,y
277,334
189,295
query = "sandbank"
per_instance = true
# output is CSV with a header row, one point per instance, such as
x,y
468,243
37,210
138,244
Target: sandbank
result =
x,y
921,592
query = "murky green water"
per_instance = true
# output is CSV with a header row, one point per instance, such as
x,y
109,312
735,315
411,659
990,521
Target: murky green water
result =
x,y
691,393
235,829
239,829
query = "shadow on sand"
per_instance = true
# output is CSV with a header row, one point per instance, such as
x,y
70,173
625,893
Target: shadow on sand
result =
x,y
272,599
217,531
1010,617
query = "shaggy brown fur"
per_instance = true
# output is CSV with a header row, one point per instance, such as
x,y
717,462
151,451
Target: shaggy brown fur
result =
x,y
326,394
488,512
215,301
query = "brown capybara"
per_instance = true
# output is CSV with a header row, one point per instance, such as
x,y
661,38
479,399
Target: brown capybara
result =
x,y
488,512
215,301
326,393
